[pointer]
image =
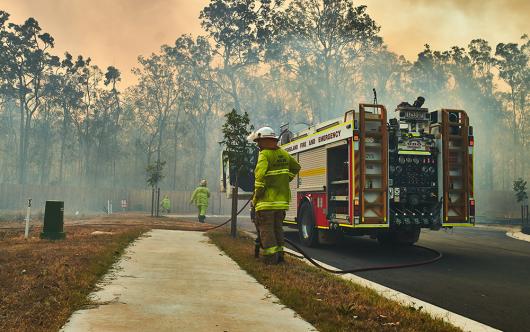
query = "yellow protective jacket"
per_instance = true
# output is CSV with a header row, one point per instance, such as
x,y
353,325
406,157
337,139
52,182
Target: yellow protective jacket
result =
x,y
166,203
200,196
274,170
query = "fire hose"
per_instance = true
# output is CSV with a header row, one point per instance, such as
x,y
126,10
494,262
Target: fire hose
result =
x,y
257,244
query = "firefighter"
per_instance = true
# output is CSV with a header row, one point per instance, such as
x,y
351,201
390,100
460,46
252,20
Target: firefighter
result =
x,y
274,170
166,204
200,198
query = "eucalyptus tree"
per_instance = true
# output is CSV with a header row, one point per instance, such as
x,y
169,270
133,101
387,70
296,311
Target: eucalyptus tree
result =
x,y
112,103
324,44
41,139
83,118
105,129
386,72
429,77
66,93
8,159
488,111
200,95
514,68
156,95
26,62
241,31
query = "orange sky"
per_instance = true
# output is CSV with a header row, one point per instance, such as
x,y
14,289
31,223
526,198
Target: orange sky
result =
x,y
115,32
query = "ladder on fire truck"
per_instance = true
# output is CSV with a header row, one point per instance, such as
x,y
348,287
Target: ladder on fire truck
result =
x,y
457,167
371,167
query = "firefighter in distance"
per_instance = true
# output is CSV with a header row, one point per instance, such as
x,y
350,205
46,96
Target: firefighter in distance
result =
x,y
200,197
274,170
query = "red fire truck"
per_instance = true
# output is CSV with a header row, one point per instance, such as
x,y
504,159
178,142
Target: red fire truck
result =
x,y
364,175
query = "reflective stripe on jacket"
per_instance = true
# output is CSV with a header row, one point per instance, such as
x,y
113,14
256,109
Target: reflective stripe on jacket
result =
x,y
200,196
274,170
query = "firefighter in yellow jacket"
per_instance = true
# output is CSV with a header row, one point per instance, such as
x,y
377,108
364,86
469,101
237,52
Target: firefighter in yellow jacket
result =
x,y
274,170
200,197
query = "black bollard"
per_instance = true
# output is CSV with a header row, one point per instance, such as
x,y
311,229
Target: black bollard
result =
x,y
53,221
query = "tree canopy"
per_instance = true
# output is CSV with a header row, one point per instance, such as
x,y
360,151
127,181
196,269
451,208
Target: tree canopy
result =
x,y
65,120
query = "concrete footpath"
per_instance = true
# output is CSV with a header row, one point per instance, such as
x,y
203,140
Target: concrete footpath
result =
x,y
177,281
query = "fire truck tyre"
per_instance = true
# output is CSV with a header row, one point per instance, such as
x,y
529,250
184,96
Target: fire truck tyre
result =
x,y
385,238
307,229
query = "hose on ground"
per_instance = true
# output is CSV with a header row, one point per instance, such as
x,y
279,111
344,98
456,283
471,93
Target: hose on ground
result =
x,y
438,254
229,219
354,270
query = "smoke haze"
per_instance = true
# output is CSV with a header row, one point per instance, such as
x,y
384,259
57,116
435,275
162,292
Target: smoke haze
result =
x,y
116,32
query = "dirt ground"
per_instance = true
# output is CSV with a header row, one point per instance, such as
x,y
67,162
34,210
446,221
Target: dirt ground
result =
x,y
42,282
10,229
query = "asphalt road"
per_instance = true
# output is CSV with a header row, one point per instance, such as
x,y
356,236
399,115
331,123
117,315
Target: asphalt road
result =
x,y
484,274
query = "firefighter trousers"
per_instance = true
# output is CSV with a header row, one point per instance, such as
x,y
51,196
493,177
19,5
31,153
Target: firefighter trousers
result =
x,y
270,227
202,212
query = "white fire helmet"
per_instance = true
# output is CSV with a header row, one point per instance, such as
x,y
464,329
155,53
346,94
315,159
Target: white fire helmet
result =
x,y
263,132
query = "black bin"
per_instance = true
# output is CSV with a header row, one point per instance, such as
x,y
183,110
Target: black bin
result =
x,y
53,221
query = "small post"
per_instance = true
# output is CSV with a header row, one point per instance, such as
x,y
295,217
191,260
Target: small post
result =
x,y
152,201
158,203
233,223
28,213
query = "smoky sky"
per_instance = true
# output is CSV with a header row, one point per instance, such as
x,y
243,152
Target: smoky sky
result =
x,y
115,32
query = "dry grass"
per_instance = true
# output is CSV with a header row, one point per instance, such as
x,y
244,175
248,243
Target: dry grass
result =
x,y
43,282
327,301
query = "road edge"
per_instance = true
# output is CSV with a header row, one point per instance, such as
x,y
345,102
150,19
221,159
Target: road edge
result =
x,y
519,236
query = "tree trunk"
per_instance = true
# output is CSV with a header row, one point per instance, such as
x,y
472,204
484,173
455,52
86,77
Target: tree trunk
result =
x,y
25,146
175,137
174,172
202,153
63,143
233,223
21,143
514,137
235,96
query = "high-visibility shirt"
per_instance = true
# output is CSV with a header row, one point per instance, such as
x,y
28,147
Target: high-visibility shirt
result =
x,y
166,203
200,196
274,170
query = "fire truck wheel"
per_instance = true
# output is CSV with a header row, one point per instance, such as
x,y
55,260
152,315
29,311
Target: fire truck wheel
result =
x,y
385,238
307,229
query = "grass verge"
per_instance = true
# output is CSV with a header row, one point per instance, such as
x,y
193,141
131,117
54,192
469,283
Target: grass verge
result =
x,y
324,300
42,282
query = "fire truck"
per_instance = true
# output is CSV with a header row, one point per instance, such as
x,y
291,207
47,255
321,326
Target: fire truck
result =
x,y
365,175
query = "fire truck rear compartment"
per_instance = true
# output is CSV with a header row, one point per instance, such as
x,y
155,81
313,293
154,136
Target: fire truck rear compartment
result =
x,y
338,182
